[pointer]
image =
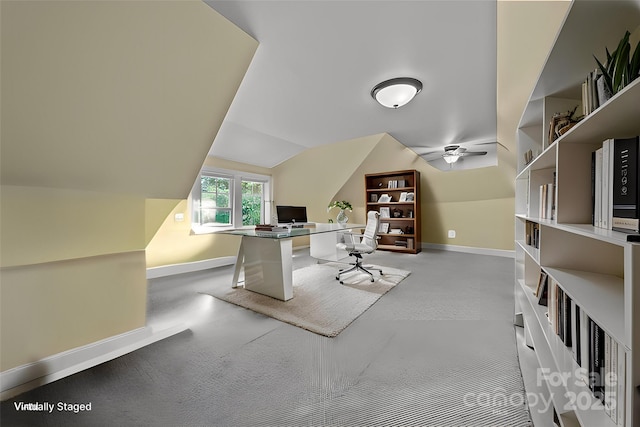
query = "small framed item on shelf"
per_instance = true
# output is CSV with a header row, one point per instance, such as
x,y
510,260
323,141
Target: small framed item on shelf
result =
x,y
374,198
384,227
385,198
410,197
385,212
403,197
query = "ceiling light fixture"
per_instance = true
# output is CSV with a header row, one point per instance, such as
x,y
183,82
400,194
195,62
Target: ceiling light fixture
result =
x,y
450,158
396,92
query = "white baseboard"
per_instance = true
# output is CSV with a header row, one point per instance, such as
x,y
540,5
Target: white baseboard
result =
x,y
188,267
32,375
470,249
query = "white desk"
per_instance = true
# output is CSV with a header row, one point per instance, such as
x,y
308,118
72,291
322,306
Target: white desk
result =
x,y
267,257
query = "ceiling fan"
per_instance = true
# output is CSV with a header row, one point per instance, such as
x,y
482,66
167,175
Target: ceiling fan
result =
x,y
453,152
445,158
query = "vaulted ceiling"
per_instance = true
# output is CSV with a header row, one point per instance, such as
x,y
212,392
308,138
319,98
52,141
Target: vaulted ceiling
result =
x,y
309,82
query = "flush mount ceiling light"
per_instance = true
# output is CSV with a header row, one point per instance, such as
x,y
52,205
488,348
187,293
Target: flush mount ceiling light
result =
x,y
396,92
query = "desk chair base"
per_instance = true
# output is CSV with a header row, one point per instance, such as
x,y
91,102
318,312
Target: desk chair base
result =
x,y
357,266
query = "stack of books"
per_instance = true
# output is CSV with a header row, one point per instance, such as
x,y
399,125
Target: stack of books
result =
x,y
601,358
271,230
615,188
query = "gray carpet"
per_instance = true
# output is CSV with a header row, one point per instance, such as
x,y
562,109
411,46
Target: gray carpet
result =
x,y
320,303
438,350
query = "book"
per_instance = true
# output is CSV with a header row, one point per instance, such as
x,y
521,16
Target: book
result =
x,y
543,293
626,188
566,320
606,190
596,360
597,210
269,227
541,280
577,344
621,393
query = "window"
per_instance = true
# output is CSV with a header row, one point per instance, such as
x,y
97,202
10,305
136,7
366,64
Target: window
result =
x,y
252,203
229,199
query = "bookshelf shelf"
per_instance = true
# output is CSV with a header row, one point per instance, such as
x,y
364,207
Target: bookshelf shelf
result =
x,y
594,269
555,359
396,184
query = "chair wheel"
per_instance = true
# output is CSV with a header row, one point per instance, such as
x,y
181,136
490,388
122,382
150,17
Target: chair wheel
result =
x,y
341,282
337,277
372,280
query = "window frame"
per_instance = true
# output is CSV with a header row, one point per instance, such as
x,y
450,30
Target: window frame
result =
x,y
235,194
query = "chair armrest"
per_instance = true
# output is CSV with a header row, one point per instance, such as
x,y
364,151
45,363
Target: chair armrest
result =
x,y
349,236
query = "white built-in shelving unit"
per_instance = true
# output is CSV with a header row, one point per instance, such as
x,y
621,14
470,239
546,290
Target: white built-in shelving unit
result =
x,y
598,268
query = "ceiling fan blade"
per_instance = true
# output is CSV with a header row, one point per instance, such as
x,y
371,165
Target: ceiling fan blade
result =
x,y
473,153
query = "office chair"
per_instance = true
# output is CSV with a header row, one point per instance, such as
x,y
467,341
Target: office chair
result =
x,y
368,242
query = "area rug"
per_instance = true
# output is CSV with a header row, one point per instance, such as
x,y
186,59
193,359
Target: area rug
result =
x,y
320,304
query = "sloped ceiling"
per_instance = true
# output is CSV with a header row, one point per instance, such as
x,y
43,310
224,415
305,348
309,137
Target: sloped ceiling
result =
x,y
121,97
309,83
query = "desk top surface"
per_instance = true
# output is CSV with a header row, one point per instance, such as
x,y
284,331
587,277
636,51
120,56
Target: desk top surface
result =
x,y
293,231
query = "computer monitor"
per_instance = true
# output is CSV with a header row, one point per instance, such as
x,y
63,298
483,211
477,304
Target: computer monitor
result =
x,y
291,214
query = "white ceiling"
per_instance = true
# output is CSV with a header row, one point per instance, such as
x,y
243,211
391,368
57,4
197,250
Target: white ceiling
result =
x,y
310,80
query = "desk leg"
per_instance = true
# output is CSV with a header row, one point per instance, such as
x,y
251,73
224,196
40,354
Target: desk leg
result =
x,y
239,263
323,246
268,266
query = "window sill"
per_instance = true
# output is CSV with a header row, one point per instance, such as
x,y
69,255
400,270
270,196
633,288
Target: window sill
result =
x,y
198,230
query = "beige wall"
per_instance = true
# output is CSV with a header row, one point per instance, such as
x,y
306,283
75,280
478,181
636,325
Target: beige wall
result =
x,y
174,243
104,95
104,106
314,177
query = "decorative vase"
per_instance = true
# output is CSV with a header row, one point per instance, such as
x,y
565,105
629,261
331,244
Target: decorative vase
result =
x,y
342,218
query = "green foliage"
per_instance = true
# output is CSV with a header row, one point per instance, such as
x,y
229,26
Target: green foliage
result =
x,y
251,202
342,204
619,69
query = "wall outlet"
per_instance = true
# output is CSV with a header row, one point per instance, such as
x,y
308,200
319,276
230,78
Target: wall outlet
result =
x,y
179,217
452,234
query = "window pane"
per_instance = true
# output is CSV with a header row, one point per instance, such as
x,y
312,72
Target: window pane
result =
x,y
252,203
215,201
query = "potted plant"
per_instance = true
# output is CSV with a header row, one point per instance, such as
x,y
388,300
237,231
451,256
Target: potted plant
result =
x,y
343,205
620,68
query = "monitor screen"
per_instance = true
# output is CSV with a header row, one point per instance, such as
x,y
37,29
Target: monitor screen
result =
x,y
287,214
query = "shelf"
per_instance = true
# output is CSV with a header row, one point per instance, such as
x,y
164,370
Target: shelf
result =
x,y
530,250
389,203
617,118
589,28
396,248
586,230
556,357
385,189
546,160
601,296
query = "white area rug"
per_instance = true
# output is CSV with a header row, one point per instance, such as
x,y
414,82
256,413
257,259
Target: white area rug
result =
x,y
320,303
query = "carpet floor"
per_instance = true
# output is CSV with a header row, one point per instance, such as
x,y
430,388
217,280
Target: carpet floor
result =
x,y
320,304
439,350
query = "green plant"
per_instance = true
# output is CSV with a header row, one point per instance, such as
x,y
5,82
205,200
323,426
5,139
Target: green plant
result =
x,y
342,204
620,68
